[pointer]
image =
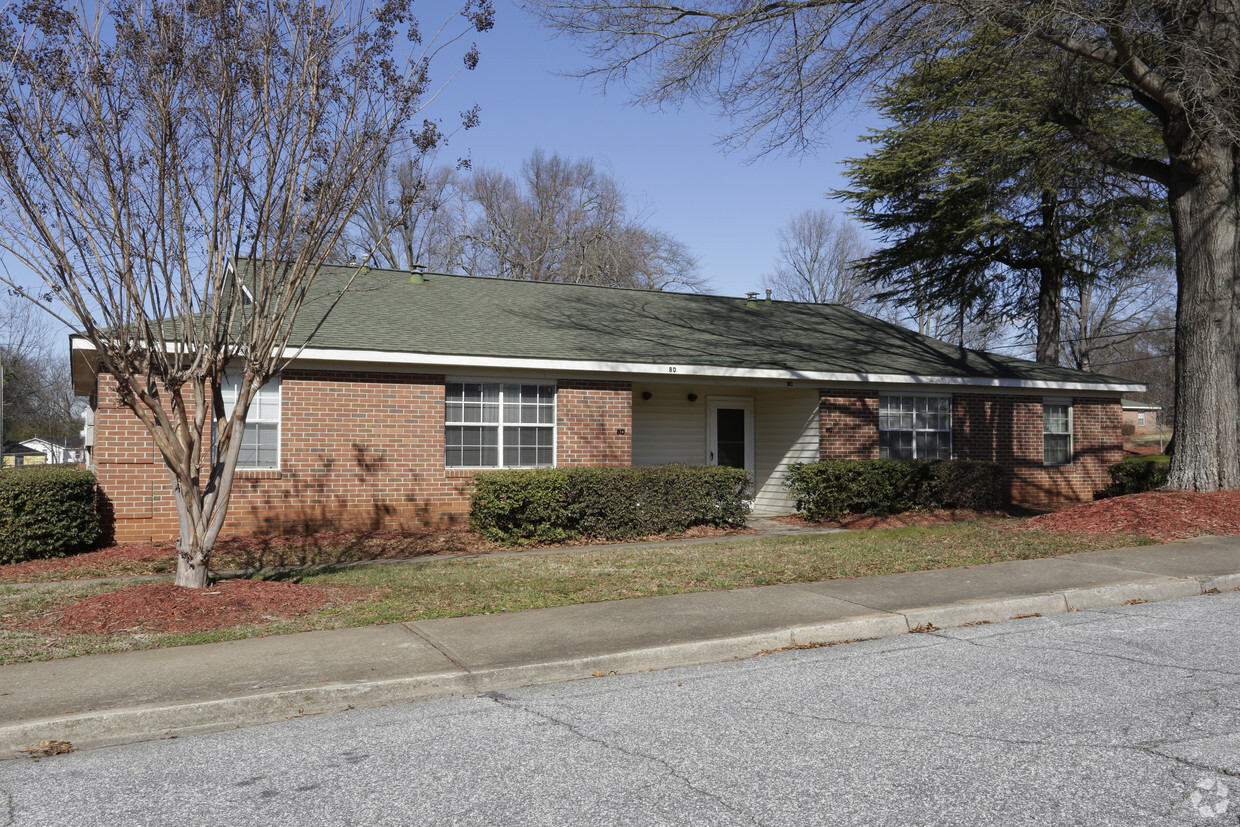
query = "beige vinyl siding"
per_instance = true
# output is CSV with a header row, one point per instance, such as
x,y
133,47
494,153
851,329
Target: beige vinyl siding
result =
x,y
786,431
668,427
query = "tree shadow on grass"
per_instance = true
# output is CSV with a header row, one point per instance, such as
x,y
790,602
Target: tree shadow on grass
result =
x,y
335,548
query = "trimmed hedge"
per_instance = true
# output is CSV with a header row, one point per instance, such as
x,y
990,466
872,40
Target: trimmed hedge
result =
x,y
554,505
830,490
46,511
1134,478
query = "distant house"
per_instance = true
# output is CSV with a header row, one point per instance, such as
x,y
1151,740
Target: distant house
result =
x,y
1142,416
17,454
58,450
411,386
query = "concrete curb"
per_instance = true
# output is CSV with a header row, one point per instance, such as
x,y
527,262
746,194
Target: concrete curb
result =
x,y
103,727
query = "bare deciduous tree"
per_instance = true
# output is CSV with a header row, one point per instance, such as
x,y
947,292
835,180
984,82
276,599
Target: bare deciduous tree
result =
x,y
817,250
413,214
146,147
781,70
38,392
561,221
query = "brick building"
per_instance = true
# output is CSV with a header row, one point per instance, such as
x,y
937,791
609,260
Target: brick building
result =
x,y
410,386
1141,416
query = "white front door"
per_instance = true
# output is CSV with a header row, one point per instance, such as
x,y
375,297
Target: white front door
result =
x,y
729,432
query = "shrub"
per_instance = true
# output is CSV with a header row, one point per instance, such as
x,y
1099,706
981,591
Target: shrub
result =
x,y
1127,429
1134,478
46,511
554,505
964,484
832,489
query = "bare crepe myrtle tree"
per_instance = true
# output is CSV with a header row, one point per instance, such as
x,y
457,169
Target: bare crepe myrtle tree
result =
x,y
782,70
146,146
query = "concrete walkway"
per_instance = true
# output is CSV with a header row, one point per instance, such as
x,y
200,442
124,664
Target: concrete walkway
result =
x,y
114,698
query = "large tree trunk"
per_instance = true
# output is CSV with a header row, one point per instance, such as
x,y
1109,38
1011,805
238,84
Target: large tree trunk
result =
x,y
1050,283
1204,212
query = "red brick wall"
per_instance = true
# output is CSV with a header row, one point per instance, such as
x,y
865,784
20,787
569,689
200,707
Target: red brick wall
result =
x,y
1006,429
595,420
847,425
1151,421
359,450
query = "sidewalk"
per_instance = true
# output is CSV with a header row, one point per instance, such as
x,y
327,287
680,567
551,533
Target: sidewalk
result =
x,y
107,699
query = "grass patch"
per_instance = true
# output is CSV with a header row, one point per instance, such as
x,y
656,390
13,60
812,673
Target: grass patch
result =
x,y
1157,459
506,583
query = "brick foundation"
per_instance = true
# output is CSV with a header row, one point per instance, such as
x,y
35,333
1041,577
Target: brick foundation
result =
x,y
1006,429
359,450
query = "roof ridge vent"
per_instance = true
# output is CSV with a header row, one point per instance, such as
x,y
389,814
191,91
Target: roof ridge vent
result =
x,y
417,273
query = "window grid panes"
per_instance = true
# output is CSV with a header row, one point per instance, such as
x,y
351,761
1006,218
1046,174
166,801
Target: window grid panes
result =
x,y
499,425
1056,434
260,444
915,427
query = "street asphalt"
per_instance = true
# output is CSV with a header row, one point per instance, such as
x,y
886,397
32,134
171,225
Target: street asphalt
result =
x,y
116,698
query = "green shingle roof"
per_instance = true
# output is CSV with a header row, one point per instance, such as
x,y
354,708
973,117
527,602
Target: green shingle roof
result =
x,y
469,316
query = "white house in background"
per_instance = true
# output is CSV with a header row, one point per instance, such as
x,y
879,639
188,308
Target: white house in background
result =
x,y
58,450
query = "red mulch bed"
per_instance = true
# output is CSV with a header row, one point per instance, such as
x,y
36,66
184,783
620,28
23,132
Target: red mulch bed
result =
x,y
1164,515
113,561
163,607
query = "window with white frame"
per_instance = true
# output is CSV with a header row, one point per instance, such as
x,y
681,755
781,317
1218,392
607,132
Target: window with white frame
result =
x,y
914,427
1056,433
499,425
260,444
1141,418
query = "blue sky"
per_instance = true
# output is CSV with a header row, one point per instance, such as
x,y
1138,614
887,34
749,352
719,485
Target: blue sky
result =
x,y
726,208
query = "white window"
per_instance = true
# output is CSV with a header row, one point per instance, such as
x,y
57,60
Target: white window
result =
x,y
1141,418
260,444
1056,433
915,427
499,425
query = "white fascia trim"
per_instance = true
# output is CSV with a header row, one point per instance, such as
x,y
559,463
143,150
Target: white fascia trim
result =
x,y
552,366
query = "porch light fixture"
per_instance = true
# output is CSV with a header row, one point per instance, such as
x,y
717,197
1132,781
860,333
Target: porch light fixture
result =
x,y
693,397
647,395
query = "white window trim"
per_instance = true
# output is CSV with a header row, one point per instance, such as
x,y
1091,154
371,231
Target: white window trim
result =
x,y
554,425
1067,403
1141,419
278,379
951,441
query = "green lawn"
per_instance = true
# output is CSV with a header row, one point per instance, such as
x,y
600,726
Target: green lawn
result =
x,y
1159,459
505,583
